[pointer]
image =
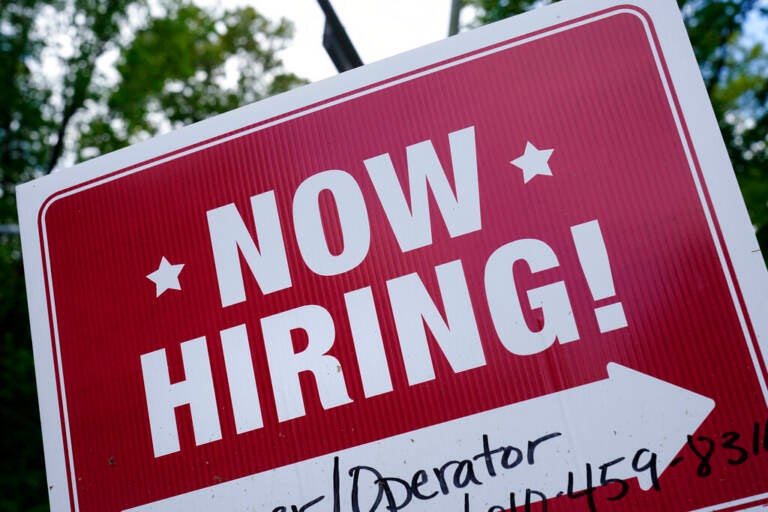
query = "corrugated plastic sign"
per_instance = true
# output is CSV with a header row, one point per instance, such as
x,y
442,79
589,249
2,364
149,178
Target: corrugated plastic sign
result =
x,y
511,269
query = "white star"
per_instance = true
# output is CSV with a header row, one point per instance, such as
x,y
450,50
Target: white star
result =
x,y
533,162
166,277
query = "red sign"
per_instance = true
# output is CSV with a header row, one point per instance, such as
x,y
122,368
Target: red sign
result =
x,y
499,271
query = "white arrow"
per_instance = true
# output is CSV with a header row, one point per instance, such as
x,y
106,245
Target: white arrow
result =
x,y
617,416
607,421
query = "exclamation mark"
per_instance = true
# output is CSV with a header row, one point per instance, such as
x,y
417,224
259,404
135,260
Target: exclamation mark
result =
x,y
593,257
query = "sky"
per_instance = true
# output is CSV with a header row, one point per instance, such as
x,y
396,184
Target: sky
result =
x,y
377,28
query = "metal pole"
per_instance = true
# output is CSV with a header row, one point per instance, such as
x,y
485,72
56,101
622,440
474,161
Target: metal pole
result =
x,y
453,24
336,41
9,229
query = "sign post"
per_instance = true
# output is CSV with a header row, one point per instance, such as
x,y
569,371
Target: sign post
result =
x,y
511,269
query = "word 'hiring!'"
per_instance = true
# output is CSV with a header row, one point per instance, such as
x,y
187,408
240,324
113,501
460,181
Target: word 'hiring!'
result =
x,y
413,308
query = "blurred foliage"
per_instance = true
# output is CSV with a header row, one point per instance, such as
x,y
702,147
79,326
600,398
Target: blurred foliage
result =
x,y
81,78
173,70
734,65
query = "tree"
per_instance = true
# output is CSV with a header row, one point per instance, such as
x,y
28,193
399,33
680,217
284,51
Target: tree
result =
x,y
734,65
173,63
175,72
